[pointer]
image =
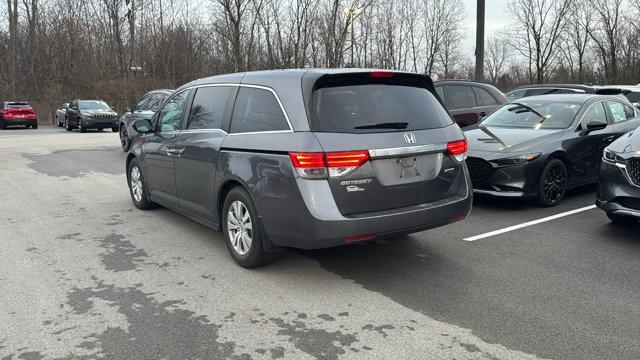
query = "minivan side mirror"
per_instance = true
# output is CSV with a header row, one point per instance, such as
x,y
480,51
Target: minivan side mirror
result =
x,y
143,126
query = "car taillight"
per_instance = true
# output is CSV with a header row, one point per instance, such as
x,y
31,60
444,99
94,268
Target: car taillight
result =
x,y
458,149
322,165
382,74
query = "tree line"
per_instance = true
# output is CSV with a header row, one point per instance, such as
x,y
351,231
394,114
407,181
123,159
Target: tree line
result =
x,y
55,50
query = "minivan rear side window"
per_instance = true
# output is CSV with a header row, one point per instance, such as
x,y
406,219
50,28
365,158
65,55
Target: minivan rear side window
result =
x,y
208,108
257,110
376,107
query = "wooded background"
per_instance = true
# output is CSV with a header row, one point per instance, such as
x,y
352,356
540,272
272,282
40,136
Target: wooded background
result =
x,y
54,50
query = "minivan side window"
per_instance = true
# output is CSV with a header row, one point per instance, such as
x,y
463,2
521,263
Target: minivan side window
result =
x,y
208,108
257,110
460,97
170,115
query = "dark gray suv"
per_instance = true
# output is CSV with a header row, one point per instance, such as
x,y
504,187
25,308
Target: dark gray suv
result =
x,y
303,158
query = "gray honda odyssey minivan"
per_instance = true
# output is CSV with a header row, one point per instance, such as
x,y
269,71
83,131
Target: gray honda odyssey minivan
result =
x,y
303,158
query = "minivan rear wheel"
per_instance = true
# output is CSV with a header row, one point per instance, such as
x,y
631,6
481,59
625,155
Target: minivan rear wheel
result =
x,y
242,230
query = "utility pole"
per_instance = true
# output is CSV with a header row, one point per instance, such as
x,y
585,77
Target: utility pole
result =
x,y
480,41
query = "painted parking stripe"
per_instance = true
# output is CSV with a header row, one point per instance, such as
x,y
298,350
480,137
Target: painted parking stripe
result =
x,y
530,223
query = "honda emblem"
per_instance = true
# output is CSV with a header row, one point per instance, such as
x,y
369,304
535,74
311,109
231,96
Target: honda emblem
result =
x,y
410,138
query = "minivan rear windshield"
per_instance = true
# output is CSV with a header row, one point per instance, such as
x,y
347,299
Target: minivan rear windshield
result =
x,y
366,108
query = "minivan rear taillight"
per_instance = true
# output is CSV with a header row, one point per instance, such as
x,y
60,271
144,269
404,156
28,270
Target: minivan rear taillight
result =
x,y
458,149
323,165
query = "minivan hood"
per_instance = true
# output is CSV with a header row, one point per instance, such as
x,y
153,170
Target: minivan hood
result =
x,y
508,140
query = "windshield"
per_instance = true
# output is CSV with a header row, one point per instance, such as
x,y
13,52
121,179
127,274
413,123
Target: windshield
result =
x,y
376,108
534,115
17,106
93,105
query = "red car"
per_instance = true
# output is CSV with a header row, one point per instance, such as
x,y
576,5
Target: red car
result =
x,y
18,113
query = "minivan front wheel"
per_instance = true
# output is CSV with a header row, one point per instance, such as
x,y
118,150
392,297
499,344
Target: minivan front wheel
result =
x,y
138,188
242,231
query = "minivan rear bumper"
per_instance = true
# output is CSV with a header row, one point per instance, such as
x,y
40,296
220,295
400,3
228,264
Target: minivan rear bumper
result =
x,y
310,219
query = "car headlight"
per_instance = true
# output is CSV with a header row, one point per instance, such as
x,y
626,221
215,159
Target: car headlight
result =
x,y
611,157
517,160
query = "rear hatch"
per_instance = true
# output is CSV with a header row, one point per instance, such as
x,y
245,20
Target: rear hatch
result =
x,y
18,110
396,119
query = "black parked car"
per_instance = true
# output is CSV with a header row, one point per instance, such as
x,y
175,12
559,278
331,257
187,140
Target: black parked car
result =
x,y
144,109
542,145
549,89
303,158
91,114
619,185
469,101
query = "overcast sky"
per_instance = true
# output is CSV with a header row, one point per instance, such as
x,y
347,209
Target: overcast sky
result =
x,y
497,17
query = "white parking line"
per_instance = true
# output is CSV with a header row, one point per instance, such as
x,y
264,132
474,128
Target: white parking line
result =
x,y
530,223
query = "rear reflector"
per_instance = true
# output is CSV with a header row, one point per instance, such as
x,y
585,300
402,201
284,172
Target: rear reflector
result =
x,y
457,147
359,238
382,74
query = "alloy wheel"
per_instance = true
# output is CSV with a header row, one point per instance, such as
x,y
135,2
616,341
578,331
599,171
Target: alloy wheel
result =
x,y
136,184
124,139
240,227
554,184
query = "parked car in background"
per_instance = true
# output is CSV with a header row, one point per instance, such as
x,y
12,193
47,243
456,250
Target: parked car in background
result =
x,y
145,108
18,113
303,158
91,114
619,185
61,115
548,89
469,101
632,93
541,146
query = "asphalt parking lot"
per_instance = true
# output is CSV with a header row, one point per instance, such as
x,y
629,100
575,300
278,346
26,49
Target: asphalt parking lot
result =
x,y
83,275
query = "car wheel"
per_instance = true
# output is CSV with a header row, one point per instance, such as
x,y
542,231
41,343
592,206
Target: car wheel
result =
x,y
242,230
621,219
34,126
81,128
69,128
553,183
124,139
3,126
60,124
115,129
137,187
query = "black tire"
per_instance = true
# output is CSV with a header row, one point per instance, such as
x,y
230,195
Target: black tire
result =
x,y
553,183
115,129
60,124
81,128
3,126
621,219
124,139
34,126
143,203
256,255
69,127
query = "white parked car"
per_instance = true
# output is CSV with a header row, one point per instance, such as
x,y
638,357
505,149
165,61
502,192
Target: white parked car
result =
x,y
61,115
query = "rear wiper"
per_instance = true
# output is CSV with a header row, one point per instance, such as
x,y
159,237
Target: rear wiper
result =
x,y
387,125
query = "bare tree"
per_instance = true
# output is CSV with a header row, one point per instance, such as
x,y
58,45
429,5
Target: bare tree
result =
x,y
606,33
536,32
498,54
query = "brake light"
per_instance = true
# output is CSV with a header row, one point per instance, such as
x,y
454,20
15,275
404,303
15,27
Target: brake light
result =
x,y
323,165
382,74
458,149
